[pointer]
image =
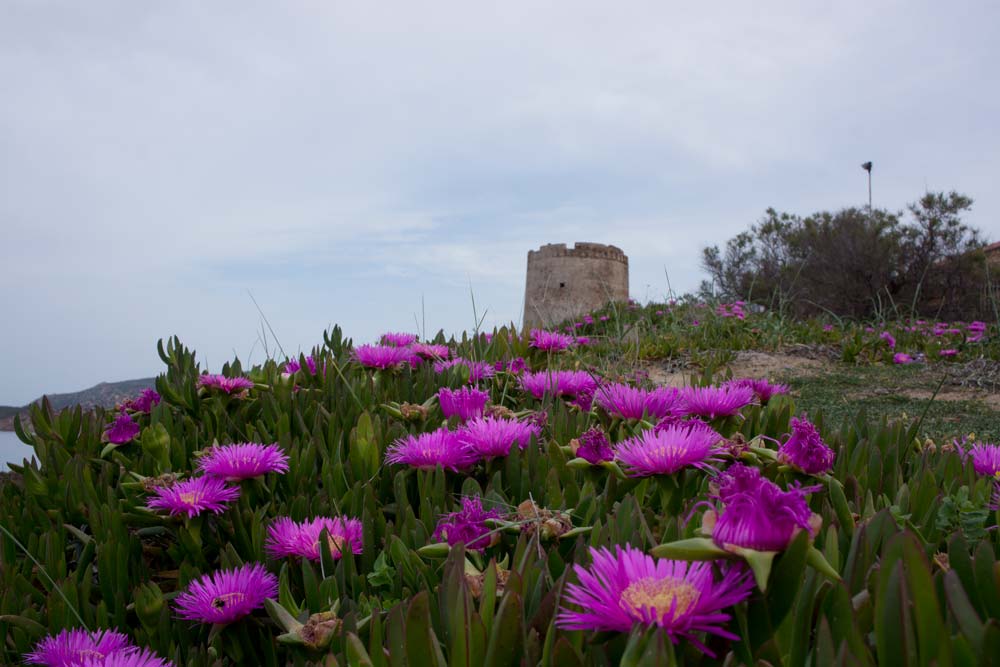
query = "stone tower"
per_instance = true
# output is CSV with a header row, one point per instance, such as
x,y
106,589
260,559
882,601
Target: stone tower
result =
x,y
564,283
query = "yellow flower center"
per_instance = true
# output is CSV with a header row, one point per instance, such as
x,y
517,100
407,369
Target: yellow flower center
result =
x,y
190,498
661,595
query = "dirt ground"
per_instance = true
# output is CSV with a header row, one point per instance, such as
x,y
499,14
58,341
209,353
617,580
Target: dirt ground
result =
x,y
781,366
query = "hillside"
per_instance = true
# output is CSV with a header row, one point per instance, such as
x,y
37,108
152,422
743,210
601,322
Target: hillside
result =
x,y
104,395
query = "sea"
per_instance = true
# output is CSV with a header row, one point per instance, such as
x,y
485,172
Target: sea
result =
x,y
12,449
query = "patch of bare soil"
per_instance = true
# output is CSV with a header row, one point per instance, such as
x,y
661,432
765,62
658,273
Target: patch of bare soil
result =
x,y
748,363
947,393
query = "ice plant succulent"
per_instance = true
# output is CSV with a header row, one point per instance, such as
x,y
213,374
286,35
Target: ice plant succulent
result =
x,y
478,370
714,402
665,451
805,449
243,460
397,339
144,402
756,513
468,525
238,386
466,403
429,450
287,538
121,430
628,402
382,357
593,447
762,389
194,496
430,351
294,365
69,647
550,341
490,437
225,596
131,658
627,587
559,383
985,459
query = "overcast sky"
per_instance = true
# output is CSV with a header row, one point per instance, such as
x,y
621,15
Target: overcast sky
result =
x,y
346,160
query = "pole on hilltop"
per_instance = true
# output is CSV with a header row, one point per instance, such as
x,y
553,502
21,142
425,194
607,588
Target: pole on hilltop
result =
x,y
867,166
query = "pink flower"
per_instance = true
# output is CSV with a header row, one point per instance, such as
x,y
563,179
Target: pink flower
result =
x,y
467,402
227,595
757,514
948,353
383,357
627,402
806,450
478,370
238,386
468,525
762,389
627,588
713,402
491,437
902,358
243,460
429,450
121,430
288,538
398,339
68,647
194,496
550,341
431,351
668,450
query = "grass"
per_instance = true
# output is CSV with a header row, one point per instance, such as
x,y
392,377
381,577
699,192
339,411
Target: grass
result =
x,y
842,390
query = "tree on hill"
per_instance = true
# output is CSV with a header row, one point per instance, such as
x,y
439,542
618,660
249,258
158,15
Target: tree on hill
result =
x,y
857,263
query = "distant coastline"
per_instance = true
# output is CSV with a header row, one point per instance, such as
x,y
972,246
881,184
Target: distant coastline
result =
x,y
101,395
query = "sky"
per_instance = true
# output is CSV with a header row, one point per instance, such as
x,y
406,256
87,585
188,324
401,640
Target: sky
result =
x,y
379,164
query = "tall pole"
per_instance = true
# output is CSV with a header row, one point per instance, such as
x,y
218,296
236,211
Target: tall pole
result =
x,y
867,166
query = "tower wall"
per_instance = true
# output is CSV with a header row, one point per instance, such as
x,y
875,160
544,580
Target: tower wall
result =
x,y
564,283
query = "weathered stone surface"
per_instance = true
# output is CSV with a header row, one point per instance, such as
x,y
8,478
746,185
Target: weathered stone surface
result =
x,y
564,283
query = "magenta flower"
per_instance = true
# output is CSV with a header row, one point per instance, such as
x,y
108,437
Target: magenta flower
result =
x,y
559,383
514,366
468,525
902,358
628,402
288,538
478,370
144,402
627,588
132,658
806,450
594,447
398,339
762,389
429,450
194,496
888,338
666,451
294,366
121,430
243,461
713,402
491,437
68,647
948,353
757,514
227,595
985,459
467,402
430,351
234,386
382,356
550,341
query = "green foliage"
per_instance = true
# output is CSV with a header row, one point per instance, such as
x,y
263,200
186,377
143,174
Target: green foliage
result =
x,y
903,571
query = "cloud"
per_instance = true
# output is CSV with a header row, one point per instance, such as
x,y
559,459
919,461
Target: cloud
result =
x,y
346,161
